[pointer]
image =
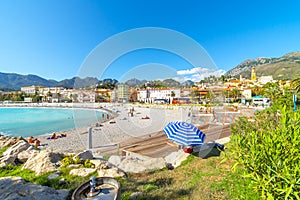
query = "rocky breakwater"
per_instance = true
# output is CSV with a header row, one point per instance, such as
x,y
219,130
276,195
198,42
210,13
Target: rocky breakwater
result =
x,y
17,152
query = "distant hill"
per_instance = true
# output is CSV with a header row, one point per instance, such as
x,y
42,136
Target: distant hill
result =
x,y
77,82
286,67
188,83
16,81
158,83
135,82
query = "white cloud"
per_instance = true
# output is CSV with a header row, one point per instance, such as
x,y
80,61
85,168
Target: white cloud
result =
x,y
197,74
192,71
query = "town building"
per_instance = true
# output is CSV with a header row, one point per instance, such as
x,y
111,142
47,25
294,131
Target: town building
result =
x,y
31,90
123,92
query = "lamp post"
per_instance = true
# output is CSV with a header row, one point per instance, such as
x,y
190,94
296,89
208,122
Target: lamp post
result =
x,y
295,101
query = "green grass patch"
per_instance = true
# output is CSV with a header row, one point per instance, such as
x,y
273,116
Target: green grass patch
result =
x,y
196,178
3,149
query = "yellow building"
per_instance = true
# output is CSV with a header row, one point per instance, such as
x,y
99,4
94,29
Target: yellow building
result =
x,y
253,74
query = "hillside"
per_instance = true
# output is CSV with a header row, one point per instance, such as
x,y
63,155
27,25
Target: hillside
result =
x,y
286,67
16,81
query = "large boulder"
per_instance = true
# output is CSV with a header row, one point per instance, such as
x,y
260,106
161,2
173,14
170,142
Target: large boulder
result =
x,y
17,188
111,172
135,165
25,155
100,164
7,160
154,163
85,155
15,149
44,162
106,169
6,141
132,165
115,160
175,158
82,171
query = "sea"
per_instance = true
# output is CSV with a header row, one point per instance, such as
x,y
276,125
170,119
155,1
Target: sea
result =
x,y
40,121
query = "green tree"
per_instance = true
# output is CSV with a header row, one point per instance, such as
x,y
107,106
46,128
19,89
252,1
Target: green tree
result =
x,y
235,93
172,94
268,148
296,84
256,90
211,96
271,90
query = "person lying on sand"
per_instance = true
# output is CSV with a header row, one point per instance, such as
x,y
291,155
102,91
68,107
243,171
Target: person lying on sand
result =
x,y
146,117
98,124
36,142
53,136
30,140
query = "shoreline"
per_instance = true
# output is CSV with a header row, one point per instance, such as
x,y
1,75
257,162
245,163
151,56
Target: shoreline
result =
x,y
92,107
123,128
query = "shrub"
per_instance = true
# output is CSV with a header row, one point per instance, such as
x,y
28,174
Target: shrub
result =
x,y
67,161
269,149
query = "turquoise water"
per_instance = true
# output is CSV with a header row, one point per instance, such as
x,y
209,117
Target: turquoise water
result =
x,y
38,121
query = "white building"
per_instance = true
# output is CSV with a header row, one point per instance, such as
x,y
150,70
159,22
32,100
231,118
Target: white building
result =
x,y
246,93
265,79
123,92
149,95
31,90
85,96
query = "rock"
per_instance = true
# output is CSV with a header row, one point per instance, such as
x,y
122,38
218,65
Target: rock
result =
x,y
17,188
154,163
54,175
131,165
15,149
7,160
135,165
82,171
6,141
43,162
135,195
112,172
175,158
62,181
74,165
101,164
85,155
25,155
115,160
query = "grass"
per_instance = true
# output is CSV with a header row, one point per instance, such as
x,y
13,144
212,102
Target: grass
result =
x,y
196,178
71,181
3,149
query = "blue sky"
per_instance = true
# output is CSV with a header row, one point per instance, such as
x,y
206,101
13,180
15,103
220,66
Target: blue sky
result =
x,y
54,38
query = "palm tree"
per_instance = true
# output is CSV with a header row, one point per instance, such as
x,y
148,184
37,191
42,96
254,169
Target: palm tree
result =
x,y
235,93
272,90
256,90
296,84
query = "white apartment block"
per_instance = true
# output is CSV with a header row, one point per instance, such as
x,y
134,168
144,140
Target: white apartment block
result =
x,y
84,96
31,90
149,95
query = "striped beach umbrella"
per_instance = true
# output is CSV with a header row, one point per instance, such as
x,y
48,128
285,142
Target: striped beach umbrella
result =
x,y
184,133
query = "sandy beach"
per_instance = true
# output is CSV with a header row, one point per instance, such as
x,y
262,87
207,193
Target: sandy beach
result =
x,y
124,127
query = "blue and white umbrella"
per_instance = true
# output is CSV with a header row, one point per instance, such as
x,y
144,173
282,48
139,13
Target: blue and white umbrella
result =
x,y
184,133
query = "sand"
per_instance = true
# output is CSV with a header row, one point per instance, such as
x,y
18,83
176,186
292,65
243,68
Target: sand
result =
x,y
124,127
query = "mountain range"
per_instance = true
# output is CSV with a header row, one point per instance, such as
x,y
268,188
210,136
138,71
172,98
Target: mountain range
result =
x,y
12,81
286,67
